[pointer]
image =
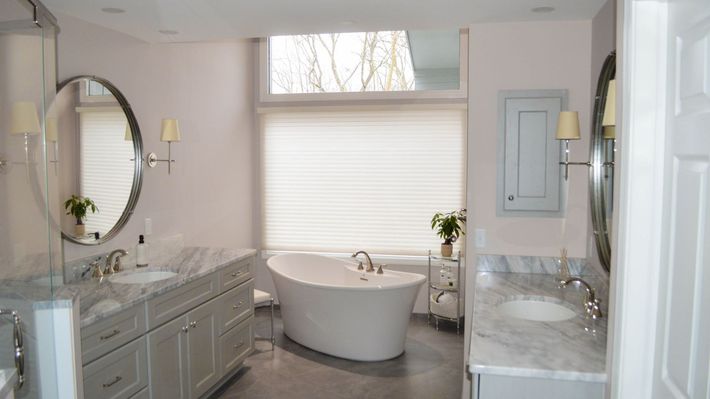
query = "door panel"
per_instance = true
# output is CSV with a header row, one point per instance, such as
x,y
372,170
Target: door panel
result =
x,y
202,344
167,350
683,332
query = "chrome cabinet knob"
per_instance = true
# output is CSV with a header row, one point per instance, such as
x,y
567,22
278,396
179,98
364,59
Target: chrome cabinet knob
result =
x,y
511,197
184,329
193,324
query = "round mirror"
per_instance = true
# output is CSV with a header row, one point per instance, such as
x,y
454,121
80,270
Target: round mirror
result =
x,y
602,151
95,148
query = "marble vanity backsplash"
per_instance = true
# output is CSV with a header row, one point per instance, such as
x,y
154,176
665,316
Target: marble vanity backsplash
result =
x,y
532,264
158,250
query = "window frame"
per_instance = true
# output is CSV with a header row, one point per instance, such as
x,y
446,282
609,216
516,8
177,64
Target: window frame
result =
x,y
266,97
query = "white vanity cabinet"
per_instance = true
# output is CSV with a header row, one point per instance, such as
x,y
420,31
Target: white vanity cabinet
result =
x,y
185,351
177,345
507,387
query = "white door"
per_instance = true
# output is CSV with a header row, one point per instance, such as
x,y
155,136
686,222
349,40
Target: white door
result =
x,y
682,344
660,346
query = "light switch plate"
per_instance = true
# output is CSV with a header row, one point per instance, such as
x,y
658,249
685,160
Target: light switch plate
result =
x,y
480,238
148,226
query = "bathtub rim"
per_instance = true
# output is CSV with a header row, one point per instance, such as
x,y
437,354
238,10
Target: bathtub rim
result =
x,y
418,281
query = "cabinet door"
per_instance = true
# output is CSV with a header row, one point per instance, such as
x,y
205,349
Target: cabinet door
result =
x,y
529,155
504,387
168,359
202,344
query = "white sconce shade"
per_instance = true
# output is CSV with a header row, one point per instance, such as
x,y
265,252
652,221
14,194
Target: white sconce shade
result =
x,y
609,118
24,118
51,129
128,136
568,126
170,131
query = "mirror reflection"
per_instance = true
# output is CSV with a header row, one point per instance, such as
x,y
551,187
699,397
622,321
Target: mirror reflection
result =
x,y
91,149
602,156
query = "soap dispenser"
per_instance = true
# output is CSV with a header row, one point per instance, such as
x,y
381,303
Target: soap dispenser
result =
x,y
141,252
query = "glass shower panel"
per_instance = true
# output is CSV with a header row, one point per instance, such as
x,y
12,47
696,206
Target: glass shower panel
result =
x,y
30,247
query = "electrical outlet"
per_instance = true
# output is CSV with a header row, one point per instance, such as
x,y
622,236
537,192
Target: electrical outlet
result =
x,y
148,226
480,238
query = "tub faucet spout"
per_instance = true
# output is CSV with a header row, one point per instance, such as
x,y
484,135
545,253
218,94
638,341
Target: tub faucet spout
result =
x,y
370,268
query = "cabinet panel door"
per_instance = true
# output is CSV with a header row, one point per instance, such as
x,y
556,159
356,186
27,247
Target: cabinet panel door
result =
x,y
529,154
202,348
168,358
119,374
504,387
178,301
106,335
236,345
236,274
235,306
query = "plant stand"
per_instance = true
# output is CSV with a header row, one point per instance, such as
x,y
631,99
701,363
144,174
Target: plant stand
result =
x,y
437,288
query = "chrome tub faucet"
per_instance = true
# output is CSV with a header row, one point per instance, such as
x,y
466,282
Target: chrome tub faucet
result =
x,y
370,267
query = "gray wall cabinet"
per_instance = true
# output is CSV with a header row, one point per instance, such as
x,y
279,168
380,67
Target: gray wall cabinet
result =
x,y
528,154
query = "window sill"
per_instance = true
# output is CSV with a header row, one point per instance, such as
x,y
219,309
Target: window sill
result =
x,y
400,260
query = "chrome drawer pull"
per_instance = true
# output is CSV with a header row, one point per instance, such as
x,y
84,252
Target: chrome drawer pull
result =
x,y
111,335
237,306
115,380
235,274
241,343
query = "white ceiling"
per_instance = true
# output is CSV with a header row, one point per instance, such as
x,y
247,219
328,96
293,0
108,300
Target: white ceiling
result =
x,y
203,20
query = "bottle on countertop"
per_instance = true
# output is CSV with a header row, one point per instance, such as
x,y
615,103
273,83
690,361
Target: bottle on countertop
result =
x,y
141,252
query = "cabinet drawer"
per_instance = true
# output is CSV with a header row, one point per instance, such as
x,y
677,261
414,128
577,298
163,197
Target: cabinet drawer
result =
x,y
106,335
166,307
237,273
235,306
236,345
118,375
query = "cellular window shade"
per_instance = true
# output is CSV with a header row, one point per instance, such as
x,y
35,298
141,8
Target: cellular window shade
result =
x,y
338,181
106,169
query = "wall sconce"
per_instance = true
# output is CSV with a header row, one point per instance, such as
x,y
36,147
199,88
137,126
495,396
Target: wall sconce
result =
x,y
51,131
169,132
568,129
25,122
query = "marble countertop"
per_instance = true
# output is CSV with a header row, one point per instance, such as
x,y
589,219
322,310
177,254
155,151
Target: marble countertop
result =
x,y
8,377
573,349
102,298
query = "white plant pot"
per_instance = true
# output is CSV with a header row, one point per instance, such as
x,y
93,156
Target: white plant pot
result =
x,y
447,250
79,230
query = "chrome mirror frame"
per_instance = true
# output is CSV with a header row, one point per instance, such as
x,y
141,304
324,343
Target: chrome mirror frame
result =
x,y
599,165
138,157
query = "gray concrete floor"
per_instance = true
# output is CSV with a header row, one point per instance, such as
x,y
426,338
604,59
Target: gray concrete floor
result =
x,y
431,367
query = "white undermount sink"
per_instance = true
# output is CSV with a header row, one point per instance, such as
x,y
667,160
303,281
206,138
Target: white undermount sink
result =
x,y
141,277
536,309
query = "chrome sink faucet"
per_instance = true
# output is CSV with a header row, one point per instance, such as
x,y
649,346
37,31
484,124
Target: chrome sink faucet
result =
x,y
591,303
114,266
370,267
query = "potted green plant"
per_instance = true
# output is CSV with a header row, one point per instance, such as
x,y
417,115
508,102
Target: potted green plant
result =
x,y
77,207
449,226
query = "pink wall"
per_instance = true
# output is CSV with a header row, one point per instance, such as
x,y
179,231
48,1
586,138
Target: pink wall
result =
x,y
209,88
525,56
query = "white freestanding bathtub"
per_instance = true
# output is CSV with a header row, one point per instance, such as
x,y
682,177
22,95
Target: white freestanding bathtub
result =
x,y
330,306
